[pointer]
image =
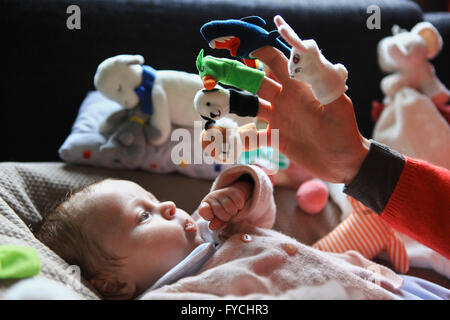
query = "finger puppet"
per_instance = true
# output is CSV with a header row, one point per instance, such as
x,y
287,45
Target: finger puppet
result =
x,y
228,72
242,37
306,63
162,97
365,232
224,140
406,55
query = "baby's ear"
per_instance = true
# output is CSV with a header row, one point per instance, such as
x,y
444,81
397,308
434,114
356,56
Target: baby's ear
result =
x,y
431,37
113,288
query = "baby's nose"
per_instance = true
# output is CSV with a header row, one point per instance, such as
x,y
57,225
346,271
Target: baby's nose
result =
x,y
167,209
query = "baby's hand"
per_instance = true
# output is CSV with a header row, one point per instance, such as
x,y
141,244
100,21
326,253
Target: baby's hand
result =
x,y
220,206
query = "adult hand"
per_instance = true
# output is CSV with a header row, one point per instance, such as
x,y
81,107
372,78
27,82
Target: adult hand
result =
x,y
324,139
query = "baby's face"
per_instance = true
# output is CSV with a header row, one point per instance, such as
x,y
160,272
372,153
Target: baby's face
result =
x,y
151,236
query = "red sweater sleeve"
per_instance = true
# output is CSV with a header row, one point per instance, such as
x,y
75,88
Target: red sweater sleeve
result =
x,y
420,205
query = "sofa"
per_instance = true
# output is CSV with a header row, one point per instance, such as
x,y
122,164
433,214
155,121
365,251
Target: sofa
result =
x,y
49,69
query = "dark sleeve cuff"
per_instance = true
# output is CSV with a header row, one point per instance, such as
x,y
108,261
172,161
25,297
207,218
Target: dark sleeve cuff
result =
x,y
377,177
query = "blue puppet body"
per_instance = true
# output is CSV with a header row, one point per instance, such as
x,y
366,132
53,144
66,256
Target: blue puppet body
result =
x,y
245,36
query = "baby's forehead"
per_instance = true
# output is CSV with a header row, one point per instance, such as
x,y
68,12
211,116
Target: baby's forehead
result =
x,y
113,198
118,186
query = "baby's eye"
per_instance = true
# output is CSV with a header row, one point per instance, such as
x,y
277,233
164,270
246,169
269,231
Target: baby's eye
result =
x,y
208,104
296,58
144,215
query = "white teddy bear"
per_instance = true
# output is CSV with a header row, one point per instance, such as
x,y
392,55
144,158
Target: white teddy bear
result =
x,y
162,98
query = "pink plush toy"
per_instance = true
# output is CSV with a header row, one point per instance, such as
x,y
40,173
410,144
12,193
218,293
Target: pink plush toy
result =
x,y
405,55
312,193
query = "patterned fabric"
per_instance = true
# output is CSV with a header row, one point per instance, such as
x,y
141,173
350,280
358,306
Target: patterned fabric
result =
x,y
364,231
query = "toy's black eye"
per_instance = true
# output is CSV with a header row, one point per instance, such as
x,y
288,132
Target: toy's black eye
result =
x,y
296,58
208,104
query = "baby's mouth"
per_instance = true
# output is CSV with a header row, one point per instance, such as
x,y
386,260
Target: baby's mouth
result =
x,y
189,226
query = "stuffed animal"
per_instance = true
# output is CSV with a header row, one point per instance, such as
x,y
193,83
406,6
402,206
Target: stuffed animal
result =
x,y
242,37
163,98
406,54
127,134
306,63
365,232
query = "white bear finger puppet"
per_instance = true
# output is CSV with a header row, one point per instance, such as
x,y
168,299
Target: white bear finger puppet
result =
x,y
165,97
307,64
406,54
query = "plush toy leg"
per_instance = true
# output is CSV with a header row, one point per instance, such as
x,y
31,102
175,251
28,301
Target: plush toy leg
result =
x,y
397,253
358,232
365,232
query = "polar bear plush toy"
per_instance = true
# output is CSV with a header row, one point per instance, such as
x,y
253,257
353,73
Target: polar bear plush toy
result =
x,y
158,98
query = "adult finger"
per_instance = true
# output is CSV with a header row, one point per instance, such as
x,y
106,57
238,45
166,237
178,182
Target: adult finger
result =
x,y
275,60
264,110
269,89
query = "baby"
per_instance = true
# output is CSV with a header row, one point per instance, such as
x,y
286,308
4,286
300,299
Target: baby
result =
x,y
128,244
124,239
